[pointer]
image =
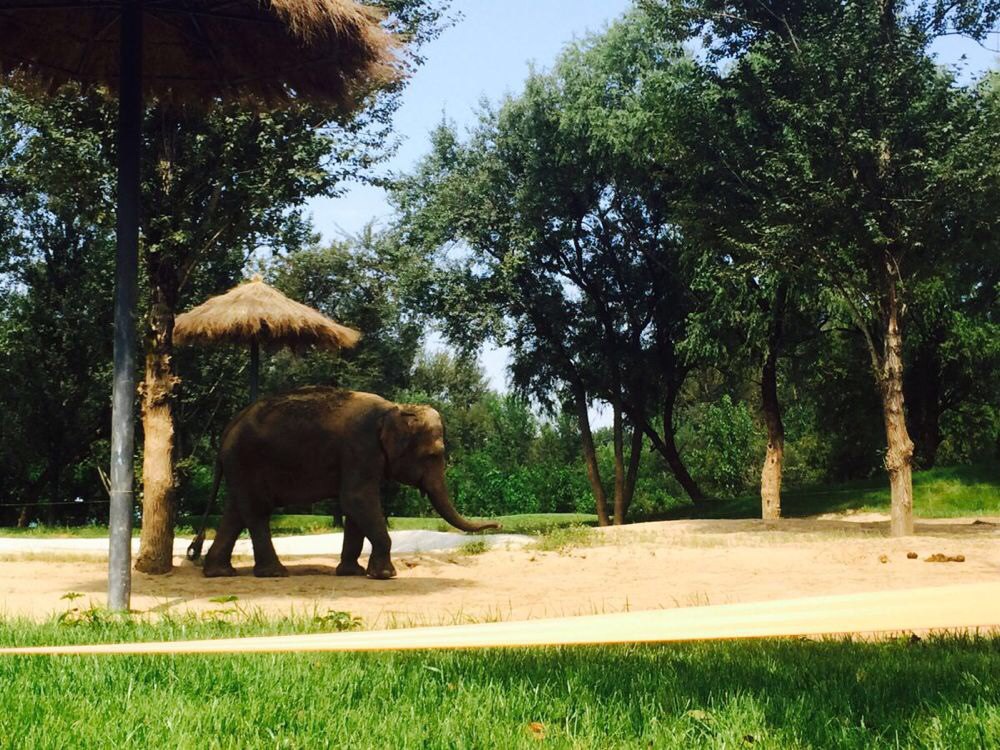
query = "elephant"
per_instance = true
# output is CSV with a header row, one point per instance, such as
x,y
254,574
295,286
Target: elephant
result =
x,y
318,443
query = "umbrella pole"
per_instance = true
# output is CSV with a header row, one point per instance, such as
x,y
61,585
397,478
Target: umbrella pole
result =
x,y
130,109
254,369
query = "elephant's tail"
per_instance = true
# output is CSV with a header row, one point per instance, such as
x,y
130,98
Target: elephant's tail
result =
x,y
194,549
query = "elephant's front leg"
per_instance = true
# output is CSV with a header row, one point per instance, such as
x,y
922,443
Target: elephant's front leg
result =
x,y
362,505
354,540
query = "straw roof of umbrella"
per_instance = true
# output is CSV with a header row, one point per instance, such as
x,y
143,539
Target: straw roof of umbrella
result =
x,y
254,311
273,52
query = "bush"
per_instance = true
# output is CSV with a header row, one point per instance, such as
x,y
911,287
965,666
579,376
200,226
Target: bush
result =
x,y
723,448
480,488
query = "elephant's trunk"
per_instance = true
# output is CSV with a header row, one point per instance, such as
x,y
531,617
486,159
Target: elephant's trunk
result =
x,y
438,495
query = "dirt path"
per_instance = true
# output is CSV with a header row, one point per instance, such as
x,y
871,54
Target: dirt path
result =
x,y
640,567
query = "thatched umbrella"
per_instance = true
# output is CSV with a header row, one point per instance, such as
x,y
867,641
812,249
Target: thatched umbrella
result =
x,y
263,52
256,314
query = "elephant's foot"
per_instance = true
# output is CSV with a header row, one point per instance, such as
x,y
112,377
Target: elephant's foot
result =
x,y
380,570
270,570
350,569
218,570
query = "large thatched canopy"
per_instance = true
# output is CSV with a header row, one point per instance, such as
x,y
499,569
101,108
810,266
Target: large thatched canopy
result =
x,y
254,312
196,50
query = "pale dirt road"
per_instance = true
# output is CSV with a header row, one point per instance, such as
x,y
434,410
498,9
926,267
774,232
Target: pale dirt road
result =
x,y
641,567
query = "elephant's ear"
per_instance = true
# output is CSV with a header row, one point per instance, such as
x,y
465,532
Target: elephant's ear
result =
x,y
396,433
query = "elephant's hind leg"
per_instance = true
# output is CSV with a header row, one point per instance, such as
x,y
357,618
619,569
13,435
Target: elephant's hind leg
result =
x,y
265,560
354,540
219,560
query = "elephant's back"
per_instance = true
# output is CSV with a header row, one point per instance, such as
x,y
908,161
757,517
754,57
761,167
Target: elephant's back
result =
x,y
306,413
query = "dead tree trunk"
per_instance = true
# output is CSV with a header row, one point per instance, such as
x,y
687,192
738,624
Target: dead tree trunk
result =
x,y
590,457
770,475
158,479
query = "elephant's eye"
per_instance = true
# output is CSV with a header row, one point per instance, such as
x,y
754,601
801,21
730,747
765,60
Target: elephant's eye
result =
x,y
433,448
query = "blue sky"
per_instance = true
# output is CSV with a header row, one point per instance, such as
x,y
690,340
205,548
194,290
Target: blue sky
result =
x,y
487,54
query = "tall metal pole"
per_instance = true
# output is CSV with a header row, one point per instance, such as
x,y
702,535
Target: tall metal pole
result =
x,y
126,270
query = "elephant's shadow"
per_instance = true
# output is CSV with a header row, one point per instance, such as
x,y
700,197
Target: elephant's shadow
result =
x,y
307,582
306,569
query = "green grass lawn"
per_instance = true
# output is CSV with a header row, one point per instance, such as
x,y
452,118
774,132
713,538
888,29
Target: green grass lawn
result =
x,y
940,693
942,492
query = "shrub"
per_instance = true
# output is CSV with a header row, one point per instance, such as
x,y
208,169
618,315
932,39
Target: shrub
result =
x,y
723,447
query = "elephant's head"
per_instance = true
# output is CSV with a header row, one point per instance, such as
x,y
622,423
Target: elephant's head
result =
x,y
412,438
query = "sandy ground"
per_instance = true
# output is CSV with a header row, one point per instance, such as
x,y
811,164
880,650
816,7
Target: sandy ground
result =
x,y
641,567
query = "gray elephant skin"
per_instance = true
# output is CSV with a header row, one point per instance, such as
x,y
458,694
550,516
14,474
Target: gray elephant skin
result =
x,y
316,444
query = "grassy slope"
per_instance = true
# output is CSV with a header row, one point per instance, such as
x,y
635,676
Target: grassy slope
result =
x,y
771,694
940,492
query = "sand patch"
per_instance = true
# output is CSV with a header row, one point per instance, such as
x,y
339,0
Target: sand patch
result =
x,y
640,567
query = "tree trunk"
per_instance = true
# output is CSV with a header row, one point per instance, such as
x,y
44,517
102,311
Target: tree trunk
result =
x,y
619,443
590,458
899,447
667,448
159,482
673,458
625,478
23,518
634,457
770,475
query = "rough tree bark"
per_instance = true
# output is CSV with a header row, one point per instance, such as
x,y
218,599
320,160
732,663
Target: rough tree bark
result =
x,y
590,457
899,447
770,475
158,479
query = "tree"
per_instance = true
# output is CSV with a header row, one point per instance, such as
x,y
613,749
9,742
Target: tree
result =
x,y
862,124
56,256
571,256
954,334
362,282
